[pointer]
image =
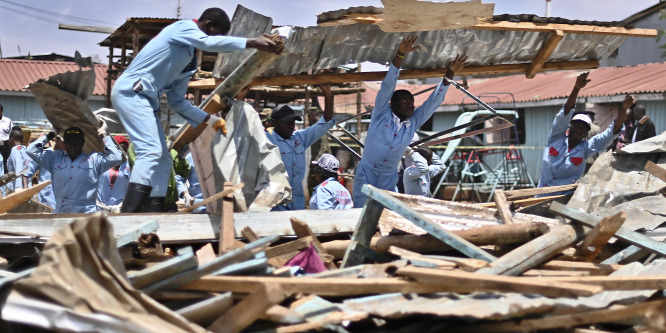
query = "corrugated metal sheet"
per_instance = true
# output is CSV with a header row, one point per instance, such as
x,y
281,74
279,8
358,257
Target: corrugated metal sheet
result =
x,y
17,74
310,49
498,306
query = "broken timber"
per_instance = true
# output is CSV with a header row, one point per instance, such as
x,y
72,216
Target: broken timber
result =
x,y
367,226
19,197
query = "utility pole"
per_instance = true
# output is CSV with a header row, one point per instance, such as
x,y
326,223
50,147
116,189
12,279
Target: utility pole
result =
x,y
547,8
178,10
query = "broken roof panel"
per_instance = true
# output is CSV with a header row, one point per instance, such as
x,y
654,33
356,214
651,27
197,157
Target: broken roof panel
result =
x,y
310,49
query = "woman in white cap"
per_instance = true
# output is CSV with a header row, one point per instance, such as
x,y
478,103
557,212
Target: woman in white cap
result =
x,y
567,147
329,194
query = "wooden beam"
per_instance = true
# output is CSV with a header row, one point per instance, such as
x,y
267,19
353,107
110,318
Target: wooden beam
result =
x,y
535,252
503,210
599,235
18,197
227,239
593,268
472,282
544,53
387,200
613,314
206,311
303,230
644,282
214,197
365,229
290,247
249,234
249,309
623,233
333,78
531,192
565,28
523,202
655,170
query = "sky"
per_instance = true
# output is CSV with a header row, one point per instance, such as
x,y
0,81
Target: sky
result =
x,y
31,26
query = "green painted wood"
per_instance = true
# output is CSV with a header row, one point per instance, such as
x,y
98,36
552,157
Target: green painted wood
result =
x,y
453,240
365,229
623,233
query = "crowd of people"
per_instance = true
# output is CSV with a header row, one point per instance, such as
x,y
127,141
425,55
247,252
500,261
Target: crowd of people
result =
x,y
140,174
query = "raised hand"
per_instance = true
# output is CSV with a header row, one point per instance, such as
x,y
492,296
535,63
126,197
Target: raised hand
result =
x,y
582,81
265,43
458,63
407,44
629,100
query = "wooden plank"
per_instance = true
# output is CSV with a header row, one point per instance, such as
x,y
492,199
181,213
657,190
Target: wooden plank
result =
x,y
339,78
303,230
332,286
205,254
472,282
367,252
545,52
365,229
18,197
535,252
502,206
413,15
530,192
205,312
185,261
455,241
249,234
212,198
418,260
282,315
225,260
565,28
612,314
227,240
643,282
248,310
629,254
577,266
293,246
133,234
623,233
655,170
599,235
523,202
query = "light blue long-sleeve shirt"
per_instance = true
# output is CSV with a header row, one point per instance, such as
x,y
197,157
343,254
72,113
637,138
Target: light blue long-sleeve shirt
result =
x,y
416,177
46,195
292,151
330,194
166,63
17,161
562,165
75,182
113,195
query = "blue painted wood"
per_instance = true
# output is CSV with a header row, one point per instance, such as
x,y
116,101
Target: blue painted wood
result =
x,y
453,240
623,233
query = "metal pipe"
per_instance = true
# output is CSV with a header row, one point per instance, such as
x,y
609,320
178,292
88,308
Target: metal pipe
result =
x,y
476,99
451,130
358,142
343,145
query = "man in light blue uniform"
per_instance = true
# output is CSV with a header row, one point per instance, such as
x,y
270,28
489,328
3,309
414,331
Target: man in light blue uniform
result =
x,y
165,65
329,194
191,194
46,195
18,160
424,165
75,173
293,144
567,147
392,125
113,182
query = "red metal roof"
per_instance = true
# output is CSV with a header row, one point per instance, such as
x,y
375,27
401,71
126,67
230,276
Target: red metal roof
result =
x,y
606,81
16,74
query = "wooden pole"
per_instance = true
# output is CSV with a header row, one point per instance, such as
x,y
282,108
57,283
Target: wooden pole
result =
x,y
227,240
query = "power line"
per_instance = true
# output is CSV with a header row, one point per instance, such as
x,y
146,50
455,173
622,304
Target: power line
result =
x,y
82,20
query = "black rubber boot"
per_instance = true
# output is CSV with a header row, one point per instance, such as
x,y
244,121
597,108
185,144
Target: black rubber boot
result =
x,y
136,198
155,205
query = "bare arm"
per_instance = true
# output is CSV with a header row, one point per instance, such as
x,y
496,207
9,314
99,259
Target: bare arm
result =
x,y
622,113
581,81
328,101
405,47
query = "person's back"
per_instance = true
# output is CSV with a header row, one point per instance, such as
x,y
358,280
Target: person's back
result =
x,y
424,165
18,160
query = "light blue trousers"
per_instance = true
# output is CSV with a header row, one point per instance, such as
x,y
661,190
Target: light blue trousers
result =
x,y
153,161
365,175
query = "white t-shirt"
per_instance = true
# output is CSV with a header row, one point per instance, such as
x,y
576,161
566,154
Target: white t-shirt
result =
x,y
5,128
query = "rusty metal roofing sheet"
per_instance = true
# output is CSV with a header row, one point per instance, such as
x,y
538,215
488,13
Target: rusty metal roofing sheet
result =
x,y
309,49
17,74
499,306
